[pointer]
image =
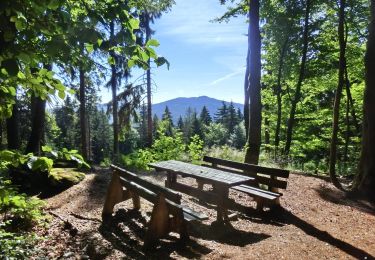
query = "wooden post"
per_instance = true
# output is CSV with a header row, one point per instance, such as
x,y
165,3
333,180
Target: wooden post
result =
x,y
114,195
273,189
159,222
136,201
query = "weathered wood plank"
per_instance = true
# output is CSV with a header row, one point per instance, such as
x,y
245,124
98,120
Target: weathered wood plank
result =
x,y
248,167
209,175
169,194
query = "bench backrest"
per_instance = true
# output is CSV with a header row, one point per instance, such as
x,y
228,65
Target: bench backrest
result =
x,y
147,188
264,175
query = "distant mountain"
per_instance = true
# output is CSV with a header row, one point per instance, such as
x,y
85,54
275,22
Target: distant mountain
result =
x,y
179,106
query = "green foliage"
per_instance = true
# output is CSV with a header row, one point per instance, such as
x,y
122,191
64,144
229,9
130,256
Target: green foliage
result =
x,y
18,214
164,148
67,155
215,134
195,148
15,160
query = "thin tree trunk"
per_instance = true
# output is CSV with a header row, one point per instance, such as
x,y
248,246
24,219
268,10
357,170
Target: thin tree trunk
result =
x,y
365,179
267,134
336,106
13,138
114,98
254,89
149,93
350,99
347,132
246,107
82,109
278,95
297,95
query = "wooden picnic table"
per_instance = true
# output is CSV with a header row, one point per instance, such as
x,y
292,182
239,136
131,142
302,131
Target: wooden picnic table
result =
x,y
219,179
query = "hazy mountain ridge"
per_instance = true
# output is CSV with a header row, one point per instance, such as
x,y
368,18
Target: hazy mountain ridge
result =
x,y
179,106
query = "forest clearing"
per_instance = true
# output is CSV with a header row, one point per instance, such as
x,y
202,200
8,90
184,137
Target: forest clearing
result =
x,y
314,222
138,129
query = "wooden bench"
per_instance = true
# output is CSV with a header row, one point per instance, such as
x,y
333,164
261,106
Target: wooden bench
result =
x,y
168,215
274,179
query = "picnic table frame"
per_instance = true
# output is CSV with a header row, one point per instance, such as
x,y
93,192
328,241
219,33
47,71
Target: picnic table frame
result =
x,y
219,179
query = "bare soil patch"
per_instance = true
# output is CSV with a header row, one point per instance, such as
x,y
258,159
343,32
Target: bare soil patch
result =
x,y
316,222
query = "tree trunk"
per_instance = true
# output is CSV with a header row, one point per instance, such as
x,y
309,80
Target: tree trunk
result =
x,y
347,132
365,179
149,101
114,98
13,138
82,109
297,94
336,106
246,107
254,89
38,117
38,111
278,95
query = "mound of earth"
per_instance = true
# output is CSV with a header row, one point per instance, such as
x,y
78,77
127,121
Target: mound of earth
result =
x,y
316,221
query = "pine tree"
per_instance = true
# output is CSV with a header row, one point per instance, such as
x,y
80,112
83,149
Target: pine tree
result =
x,y
221,114
180,123
205,116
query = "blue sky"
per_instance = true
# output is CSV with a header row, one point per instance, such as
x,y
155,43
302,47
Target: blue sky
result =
x,y
206,58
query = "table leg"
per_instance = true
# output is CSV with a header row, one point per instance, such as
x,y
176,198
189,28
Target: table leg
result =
x,y
171,178
222,211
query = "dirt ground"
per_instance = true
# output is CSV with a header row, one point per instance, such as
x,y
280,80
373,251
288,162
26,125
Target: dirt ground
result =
x,y
316,222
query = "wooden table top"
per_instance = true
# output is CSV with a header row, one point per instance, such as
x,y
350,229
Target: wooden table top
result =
x,y
201,172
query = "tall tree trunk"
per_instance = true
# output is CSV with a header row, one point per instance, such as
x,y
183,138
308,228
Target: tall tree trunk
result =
x,y
254,88
336,106
149,93
365,179
347,132
278,94
297,95
13,138
114,97
82,110
38,112
246,107
267,133
38,117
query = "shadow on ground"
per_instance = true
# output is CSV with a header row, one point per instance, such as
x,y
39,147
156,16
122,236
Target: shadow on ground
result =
x,y
347,199
284,216
126,232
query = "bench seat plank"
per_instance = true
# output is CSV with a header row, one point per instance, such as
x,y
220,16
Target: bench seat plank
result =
x,y
268,195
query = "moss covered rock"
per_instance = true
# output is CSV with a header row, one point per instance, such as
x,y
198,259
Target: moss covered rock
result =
x,y
65,177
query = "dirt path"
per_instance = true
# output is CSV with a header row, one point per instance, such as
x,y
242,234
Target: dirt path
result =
x,y
316,222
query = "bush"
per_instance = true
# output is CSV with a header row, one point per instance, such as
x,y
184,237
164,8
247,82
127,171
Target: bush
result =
x,y
164,148
18,214
196,148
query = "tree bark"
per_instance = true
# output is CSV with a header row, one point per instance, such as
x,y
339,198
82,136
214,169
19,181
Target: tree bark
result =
x,y
38,112
246,107
365,179
82,110
13,138
278,95
254,88
297,95
149,93
336,106
114,98
38,117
